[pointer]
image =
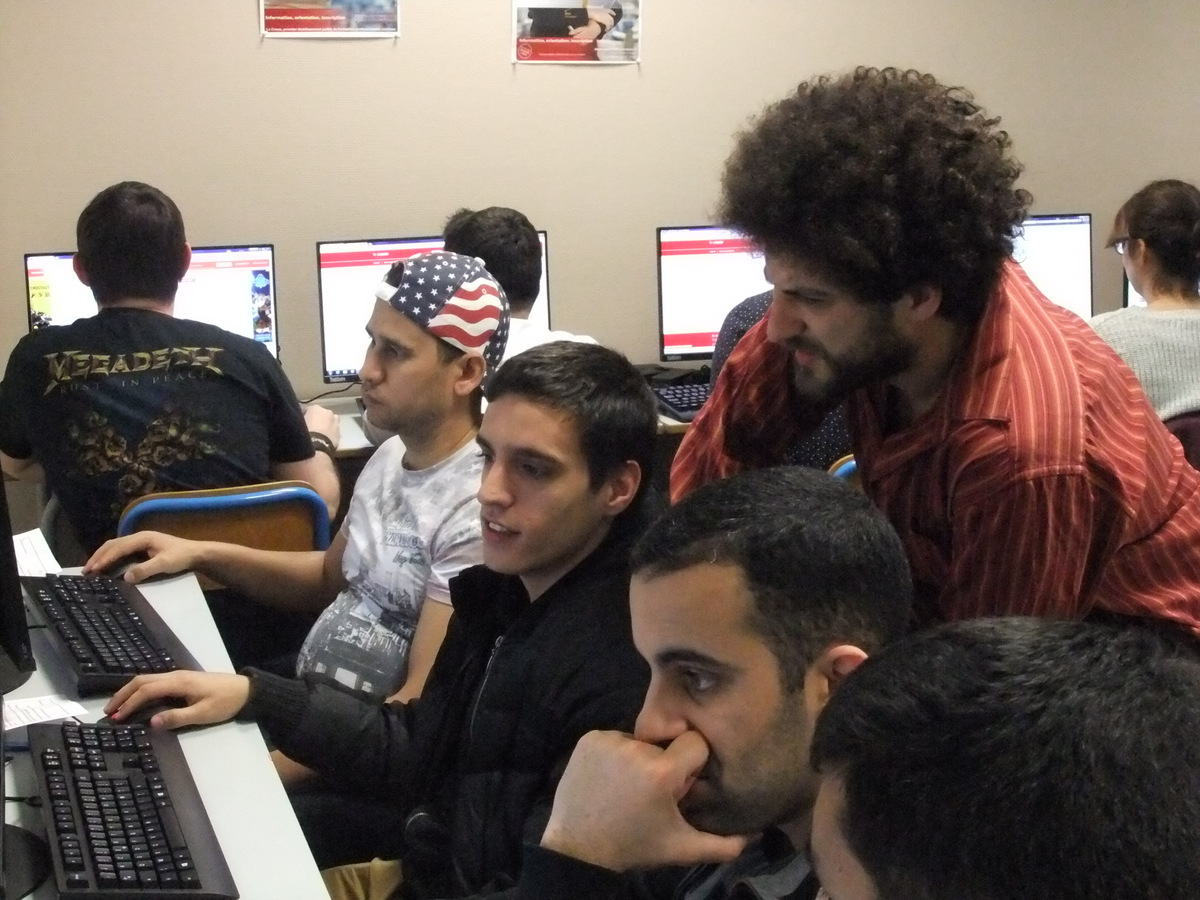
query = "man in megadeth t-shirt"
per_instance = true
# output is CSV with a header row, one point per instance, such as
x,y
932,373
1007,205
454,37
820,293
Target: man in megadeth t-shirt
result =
x,y
133,400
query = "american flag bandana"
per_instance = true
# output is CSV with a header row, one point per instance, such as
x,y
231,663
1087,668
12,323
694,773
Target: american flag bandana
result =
x,y
453,298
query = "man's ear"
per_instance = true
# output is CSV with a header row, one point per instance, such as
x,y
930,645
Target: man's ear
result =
x,y
471,369
186,262
829,669
80,271
921,303
621,487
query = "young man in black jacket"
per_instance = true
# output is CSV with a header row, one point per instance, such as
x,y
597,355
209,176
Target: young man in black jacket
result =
x,y
751,600
538,650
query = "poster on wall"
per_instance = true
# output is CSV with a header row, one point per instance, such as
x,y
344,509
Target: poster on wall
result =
x,y
329,18
571,31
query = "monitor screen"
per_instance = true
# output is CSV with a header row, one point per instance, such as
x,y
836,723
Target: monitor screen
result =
x,y
230,287
1056,253
348,273
703,272
1130,296
26,858
16,653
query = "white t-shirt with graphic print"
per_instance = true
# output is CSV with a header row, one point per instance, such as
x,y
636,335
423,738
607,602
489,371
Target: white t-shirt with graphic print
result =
x,y
407,534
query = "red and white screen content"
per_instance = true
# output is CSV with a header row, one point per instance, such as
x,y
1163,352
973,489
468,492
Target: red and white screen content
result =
x,y
703,273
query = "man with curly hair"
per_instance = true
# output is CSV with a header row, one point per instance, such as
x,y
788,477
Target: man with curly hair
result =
x,y
1015,454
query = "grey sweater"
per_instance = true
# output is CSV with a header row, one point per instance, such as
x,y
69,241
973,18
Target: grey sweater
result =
x,y
1163,349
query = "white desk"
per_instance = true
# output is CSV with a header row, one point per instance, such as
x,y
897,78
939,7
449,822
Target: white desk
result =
x,y
250,812
353,441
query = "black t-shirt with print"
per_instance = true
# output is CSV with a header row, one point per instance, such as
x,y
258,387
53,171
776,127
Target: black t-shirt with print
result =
x,y
133,401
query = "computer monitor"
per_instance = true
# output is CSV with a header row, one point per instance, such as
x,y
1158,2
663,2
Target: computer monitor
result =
x,y
703,272
1056,253
1129,295
26,857
348,272
232,287
16,652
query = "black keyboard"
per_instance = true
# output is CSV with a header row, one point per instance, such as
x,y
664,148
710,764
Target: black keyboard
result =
x,y
123,817
105,630
681,401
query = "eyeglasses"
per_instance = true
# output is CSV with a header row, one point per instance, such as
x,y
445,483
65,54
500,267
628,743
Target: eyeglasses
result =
x,y
1119,245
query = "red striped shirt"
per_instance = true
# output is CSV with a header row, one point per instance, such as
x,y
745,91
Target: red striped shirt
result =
x,y
1040,482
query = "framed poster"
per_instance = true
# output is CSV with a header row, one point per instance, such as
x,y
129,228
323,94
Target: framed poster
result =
x,y
330,18
571,31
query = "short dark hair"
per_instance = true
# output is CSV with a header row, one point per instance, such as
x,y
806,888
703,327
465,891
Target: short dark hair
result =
x,y
884,180
507,243
606,397
822,562
1025,758
131,242
1166,215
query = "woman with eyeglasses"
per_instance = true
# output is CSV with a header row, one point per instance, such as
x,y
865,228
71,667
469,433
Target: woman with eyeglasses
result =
x,y
1157,233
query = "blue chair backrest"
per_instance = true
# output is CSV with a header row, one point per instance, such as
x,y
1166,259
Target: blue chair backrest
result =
x,y
228,500
844,469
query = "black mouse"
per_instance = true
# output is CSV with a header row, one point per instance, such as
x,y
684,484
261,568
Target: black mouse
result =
x,y
146,712
117,569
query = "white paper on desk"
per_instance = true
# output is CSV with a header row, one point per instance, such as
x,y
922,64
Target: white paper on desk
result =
x,y
29,710
34,556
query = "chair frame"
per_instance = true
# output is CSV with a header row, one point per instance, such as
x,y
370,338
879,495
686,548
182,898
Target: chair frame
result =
x,y
246,515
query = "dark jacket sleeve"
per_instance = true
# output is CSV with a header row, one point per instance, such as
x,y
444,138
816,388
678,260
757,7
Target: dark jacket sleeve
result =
x,y
547,875
608,699
345,736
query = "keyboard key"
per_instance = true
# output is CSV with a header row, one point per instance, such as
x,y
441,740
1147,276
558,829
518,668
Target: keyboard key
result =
x,y
681,401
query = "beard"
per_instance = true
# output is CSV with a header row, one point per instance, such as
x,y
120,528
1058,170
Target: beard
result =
x,y
881,354
414,425
716,810
765,783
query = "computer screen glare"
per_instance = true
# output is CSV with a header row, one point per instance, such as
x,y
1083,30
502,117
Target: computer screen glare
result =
x,y
1056,252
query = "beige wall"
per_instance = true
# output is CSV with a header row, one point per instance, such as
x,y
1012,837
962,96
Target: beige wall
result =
x,y
297,141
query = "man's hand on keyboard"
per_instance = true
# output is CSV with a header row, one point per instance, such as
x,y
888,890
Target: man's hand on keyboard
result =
x,y
157,554
211,697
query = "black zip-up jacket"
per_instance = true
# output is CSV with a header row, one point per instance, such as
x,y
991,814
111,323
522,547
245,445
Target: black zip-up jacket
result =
x,y
475,760
768,869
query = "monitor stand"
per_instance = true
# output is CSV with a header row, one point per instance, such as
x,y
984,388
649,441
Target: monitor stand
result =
x,y
26,862
26,857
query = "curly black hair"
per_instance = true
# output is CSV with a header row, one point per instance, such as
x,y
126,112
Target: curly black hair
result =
x,y
883,180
